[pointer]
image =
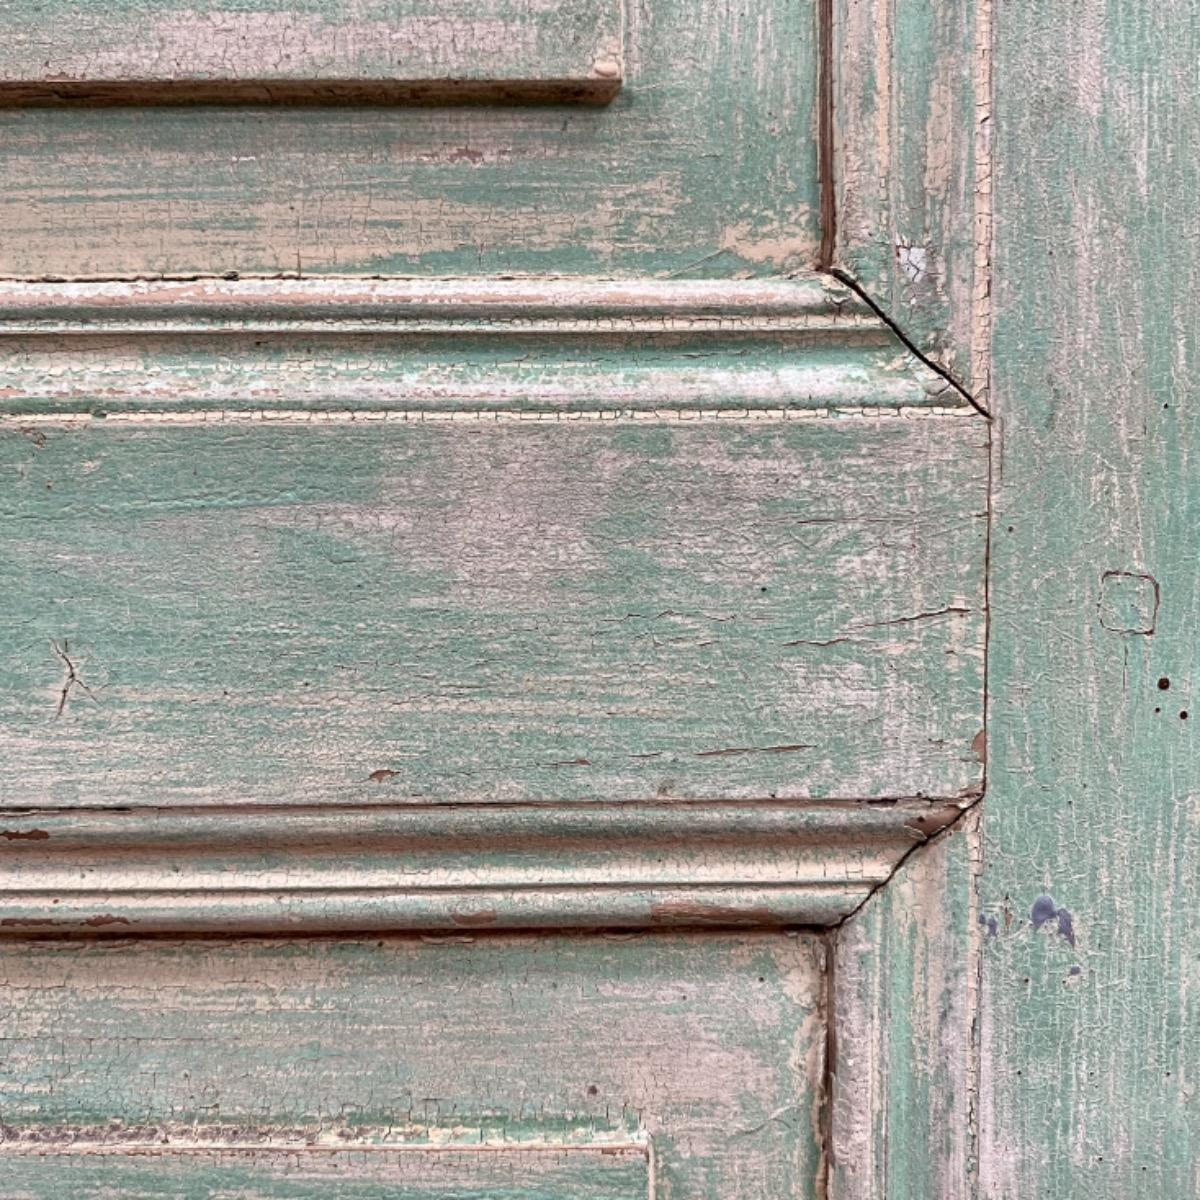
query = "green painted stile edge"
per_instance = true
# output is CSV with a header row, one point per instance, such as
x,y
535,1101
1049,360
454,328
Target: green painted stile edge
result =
x,y
1090,1048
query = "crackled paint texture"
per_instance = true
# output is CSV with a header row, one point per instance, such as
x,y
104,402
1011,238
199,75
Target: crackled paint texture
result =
x,y
547,550
909,178
1092,847
703,164
48,48
247,612
317,1173
707,1046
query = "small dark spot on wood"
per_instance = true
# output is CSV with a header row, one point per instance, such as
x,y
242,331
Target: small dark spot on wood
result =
x,y
1183,716
382,776
98,922
24,835
593,1090
1163,684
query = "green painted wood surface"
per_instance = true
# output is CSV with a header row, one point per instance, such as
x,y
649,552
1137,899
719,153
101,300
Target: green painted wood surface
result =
x,y
708,1045
910,185
446,346
1090,1054
703,165
132,49
904,1085
494,1174
545,866
259,612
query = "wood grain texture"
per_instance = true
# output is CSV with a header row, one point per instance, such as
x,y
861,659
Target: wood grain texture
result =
x,y
908,172
704,164
904,1117
709,1046
1092,846
503,1173
133,51
252,612
451,867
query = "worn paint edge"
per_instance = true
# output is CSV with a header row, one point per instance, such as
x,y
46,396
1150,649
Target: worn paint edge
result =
x,y
470,867
553,305
308,416
356,1143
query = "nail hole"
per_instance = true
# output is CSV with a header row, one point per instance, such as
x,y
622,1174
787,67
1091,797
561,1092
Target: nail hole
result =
x,y
1183,714
1163,684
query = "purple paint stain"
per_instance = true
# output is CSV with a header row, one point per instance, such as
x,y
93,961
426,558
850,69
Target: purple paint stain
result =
x,y
1044,909
1065,928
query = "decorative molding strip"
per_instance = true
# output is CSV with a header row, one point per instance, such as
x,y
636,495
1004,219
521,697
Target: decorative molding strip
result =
x,y
470,867
339,306
390,344
518,416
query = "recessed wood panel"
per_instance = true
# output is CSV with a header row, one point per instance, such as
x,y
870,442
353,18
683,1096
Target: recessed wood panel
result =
x,y
704,163
673,606
705,1050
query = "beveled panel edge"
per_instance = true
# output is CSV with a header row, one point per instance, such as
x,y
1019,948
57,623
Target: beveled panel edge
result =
x,y
103,1142
467,868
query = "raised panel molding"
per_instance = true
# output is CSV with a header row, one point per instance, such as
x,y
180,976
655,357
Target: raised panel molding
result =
x,y
452,868
175,449
554,346
426,50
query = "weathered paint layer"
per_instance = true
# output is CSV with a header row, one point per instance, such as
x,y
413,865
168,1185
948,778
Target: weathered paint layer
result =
x,y
1092,847
450,867
707,1046
704,163
714,607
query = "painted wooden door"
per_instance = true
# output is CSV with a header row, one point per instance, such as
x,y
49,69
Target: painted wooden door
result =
x,y
494,599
